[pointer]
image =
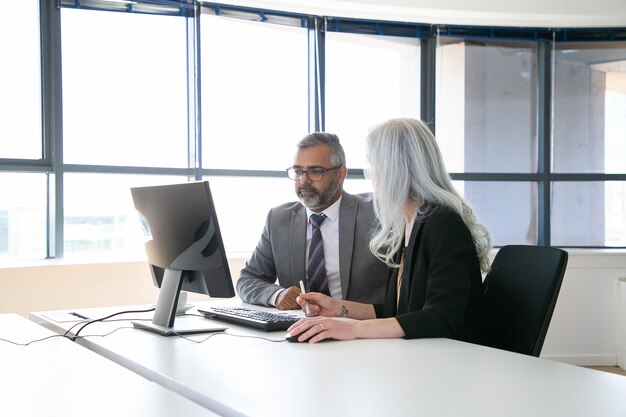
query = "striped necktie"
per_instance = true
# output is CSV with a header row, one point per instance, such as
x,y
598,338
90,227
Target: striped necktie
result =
x,y
316,267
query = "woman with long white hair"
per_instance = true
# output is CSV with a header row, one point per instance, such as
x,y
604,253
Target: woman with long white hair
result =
x,y
427,233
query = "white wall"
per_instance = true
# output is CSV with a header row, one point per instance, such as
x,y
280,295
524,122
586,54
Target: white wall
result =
x,y
528,13
582,330
54,286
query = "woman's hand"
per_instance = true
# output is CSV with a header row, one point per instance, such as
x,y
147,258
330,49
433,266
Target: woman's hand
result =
x,y
316,329
318,304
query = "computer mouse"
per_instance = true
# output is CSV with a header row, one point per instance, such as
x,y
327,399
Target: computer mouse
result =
x,y
295,339
291,338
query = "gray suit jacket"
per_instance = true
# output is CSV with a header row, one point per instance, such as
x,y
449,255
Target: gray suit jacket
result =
x,y
280,254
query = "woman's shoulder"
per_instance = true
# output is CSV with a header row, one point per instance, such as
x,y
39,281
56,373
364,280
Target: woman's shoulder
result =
x,y
444,226
437,213
440,219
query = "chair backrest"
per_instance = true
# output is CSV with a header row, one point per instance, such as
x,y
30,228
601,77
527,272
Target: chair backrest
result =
x,y
519,295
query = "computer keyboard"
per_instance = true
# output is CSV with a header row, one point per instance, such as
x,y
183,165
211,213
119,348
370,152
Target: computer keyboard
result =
x,y
258,319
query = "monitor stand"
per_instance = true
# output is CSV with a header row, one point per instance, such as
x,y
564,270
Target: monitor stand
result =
x,y
182,306
165,321
184,326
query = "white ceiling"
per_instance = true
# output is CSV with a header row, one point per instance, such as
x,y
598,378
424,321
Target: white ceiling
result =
x,y
524,13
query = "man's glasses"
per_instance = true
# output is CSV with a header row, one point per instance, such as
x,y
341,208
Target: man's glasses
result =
x,y
313,174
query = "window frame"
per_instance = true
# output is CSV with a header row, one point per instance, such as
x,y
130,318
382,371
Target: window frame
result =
x,y
53,166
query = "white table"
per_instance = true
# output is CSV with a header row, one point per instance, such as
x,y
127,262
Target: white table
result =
x,y
237,376
56,377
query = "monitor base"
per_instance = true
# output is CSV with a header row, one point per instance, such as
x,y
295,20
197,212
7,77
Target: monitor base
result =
x,y
181,327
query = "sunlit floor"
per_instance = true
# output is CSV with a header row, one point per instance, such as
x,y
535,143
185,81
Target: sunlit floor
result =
x,y
612,369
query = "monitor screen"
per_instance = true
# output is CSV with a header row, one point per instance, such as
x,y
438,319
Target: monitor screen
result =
x,y
184,249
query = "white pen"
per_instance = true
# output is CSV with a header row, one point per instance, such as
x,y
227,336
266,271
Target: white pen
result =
x,y
307,312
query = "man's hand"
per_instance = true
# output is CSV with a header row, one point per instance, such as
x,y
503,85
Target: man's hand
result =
x,y
286,300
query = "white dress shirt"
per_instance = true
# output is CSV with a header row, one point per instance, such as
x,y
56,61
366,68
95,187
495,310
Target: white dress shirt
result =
x,y
330,238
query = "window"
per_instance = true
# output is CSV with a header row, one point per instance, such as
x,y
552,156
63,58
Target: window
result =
x,y
23,216
100,221
20,101
124,104
589,139
254,93
124,90
497,205
589,213
486,105
242,205
486,123
254,111
369,79
23,221
531,122
589,108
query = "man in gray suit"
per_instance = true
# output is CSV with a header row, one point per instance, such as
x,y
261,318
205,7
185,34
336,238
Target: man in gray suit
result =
x,y
352,272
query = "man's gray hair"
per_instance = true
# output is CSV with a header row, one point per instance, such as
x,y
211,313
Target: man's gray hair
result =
x,y
337,155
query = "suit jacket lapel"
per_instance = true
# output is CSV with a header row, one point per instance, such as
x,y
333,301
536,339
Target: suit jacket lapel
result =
x,y
297,245
347,225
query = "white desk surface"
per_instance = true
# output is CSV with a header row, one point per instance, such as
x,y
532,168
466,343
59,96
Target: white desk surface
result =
x,y
236,376
56,377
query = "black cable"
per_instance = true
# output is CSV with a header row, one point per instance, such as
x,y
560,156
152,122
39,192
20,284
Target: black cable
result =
x,y
257,337
76,324
106,334
108,321
72,338
103,319
35,341
174,332
198,341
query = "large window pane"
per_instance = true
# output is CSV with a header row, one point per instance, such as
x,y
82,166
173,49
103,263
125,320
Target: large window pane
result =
x,y
22,216
100,219
589,213
508,209
590,108
254,93
369,79
124,89
486,112
20,86
242,204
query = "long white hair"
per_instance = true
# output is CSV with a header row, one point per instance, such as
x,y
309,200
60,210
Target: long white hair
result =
x,y
405,162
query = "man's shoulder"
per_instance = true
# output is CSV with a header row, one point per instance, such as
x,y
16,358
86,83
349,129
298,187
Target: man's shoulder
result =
x,y
292,205
286,209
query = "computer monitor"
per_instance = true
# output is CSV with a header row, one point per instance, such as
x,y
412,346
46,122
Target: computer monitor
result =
x,y
184,249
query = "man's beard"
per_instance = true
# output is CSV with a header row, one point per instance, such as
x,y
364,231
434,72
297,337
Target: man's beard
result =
x,y
314,199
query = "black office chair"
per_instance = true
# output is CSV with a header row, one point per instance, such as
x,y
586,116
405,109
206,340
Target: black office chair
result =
x,y
519,295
